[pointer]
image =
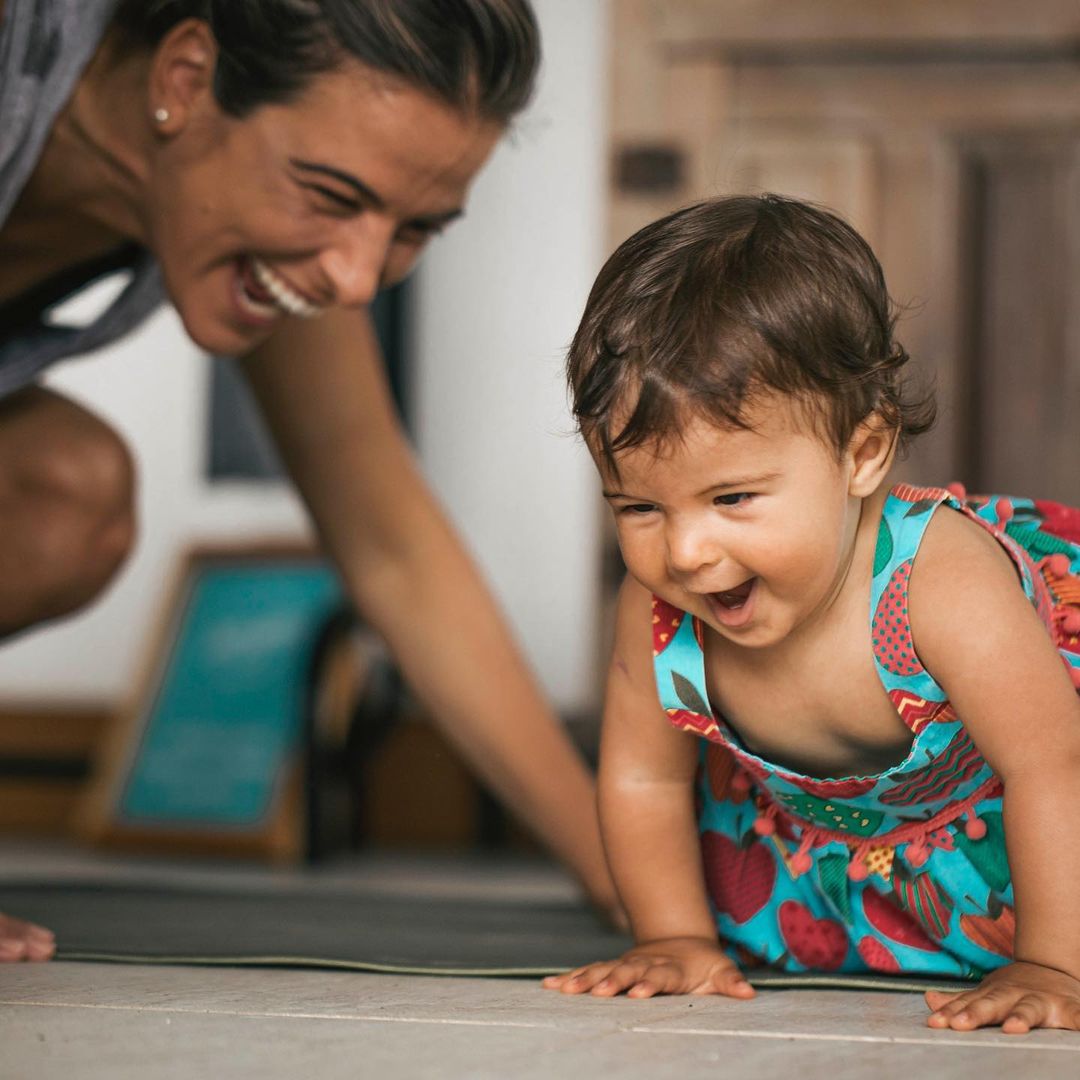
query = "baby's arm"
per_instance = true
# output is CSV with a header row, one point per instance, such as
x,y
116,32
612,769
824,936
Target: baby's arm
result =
x,y
650,836
982,640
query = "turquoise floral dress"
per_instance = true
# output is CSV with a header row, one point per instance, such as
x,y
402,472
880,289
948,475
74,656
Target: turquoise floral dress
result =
x,y
904,871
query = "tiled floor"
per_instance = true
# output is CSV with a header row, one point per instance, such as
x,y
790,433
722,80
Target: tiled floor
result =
x,y
72,1021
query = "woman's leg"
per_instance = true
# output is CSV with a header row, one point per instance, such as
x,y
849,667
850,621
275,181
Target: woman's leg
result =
x,y
66,524
66,507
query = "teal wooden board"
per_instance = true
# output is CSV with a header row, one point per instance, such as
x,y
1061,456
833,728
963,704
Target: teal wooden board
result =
x,y
227,710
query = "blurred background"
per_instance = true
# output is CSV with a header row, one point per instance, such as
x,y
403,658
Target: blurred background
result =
x,y
947,131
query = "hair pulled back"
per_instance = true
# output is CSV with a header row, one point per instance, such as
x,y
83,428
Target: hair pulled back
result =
x,y
477,55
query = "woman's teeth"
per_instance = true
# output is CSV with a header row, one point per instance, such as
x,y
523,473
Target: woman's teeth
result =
x,y
289,301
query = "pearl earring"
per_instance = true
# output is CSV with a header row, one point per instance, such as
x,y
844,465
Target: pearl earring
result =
x,y
161,115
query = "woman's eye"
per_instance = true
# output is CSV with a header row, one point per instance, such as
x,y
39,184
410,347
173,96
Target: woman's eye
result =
x,y
734,499
338,203
418,234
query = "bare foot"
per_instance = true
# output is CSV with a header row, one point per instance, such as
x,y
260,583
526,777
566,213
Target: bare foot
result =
x,y
20,940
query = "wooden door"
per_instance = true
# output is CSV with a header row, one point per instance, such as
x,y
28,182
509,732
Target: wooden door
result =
x,y
947,132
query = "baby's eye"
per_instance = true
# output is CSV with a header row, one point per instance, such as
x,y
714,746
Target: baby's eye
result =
x,y
637,508
734,499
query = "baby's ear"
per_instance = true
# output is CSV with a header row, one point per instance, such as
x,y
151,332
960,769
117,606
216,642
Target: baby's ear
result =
x,y
870,453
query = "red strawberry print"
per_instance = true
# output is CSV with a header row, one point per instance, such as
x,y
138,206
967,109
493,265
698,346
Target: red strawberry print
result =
x,y
890,631
740,879
876,957
666,620
832,789
895,924
818,944
721,767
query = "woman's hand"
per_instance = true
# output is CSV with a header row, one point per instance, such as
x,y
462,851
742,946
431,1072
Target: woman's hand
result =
x,y
670,966
1018,997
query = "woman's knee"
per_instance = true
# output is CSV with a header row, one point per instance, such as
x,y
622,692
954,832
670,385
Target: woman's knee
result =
x,y
67,484
82,488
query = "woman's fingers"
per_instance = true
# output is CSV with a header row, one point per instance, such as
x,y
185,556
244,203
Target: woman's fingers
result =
x,y
21,940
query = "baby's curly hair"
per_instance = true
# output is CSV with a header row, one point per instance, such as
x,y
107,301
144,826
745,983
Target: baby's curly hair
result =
x,y
722,303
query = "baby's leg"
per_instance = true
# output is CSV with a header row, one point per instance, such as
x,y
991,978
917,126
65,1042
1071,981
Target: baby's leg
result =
x,y
20,940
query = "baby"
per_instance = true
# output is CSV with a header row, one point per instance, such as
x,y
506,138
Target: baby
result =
x,y
842,730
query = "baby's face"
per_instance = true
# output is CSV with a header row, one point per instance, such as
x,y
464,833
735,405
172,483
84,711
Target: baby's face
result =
x,y
752,531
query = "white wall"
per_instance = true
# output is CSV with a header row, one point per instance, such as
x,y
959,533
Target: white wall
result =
x,y
498,301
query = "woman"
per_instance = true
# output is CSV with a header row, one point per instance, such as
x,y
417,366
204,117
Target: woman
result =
x,y
266,165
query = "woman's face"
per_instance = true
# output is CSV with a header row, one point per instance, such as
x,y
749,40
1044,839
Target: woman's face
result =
x,y
304,206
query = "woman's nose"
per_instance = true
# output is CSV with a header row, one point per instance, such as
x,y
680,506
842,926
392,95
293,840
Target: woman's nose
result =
x,y
354,266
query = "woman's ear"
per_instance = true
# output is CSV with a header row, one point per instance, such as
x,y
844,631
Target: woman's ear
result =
x,y
181,75
870,453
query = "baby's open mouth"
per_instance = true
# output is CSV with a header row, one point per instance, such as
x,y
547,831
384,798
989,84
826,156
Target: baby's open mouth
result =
x,y
733,599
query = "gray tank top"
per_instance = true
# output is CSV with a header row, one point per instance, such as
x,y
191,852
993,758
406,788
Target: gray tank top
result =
x,y
45,46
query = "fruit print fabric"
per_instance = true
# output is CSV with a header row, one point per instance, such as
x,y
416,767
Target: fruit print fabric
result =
x,y
904,871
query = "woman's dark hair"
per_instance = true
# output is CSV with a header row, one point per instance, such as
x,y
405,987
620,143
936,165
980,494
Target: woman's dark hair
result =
x,y
721,303
477,55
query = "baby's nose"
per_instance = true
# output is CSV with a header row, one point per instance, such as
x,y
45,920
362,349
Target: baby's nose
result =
x,y
691,550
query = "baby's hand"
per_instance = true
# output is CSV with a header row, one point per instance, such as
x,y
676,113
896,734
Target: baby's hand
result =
x,y
1019,997
669,966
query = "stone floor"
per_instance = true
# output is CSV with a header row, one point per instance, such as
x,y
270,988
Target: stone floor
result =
x,y
72,1021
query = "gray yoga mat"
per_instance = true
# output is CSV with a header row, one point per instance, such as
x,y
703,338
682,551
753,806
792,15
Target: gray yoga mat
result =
x,y
130,923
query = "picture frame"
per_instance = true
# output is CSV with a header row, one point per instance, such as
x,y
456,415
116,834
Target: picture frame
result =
x,y
208,757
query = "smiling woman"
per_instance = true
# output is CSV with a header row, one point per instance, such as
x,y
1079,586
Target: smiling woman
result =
x,y
266,166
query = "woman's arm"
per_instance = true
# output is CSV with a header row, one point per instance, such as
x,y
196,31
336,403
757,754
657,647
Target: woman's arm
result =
x,y
982,640
322,388
650,835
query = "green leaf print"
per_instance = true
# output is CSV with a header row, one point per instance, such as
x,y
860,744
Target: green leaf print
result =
x,y
988,854
833,875
689,696
834,814
884,551
1035,542
921,507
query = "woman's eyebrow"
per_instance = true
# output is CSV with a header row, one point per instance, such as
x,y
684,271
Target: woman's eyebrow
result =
x,y
345,178
371,196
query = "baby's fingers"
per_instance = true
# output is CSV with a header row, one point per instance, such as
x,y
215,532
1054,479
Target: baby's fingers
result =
x,y
727,980
1014,1010
731,982
1042,1010
638,977
581,980
971,1009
